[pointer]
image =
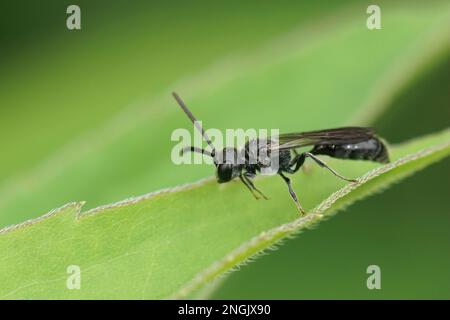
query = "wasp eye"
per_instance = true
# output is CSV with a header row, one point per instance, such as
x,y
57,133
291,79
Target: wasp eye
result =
x,y
224,172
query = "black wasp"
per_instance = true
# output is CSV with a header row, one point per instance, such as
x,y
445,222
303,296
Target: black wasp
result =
x,y
258,154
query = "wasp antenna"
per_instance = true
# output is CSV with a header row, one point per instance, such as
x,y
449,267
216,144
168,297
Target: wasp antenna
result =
x,y
193,119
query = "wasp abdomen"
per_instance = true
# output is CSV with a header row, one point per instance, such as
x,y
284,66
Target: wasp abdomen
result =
x,y
372,149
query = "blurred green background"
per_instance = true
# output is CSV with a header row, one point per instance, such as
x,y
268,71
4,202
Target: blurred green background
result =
x,y
87,115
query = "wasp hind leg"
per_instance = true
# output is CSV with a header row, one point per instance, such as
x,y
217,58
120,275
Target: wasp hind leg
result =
x,y
292,193
299,159
323,164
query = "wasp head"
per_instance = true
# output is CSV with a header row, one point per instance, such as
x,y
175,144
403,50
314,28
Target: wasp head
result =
x,y
229,165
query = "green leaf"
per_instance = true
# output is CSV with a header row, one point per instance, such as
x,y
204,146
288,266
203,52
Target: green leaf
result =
x,y
329,72
169,243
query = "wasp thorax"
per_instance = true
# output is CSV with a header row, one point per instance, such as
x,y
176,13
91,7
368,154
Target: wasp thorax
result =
x,y
259,152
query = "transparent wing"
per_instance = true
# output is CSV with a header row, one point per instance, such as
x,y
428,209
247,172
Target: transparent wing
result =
x,y
329,136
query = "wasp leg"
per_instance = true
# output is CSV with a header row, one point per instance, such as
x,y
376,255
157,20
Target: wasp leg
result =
x,y
292,193
297,161
324,165
244,181
250,182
